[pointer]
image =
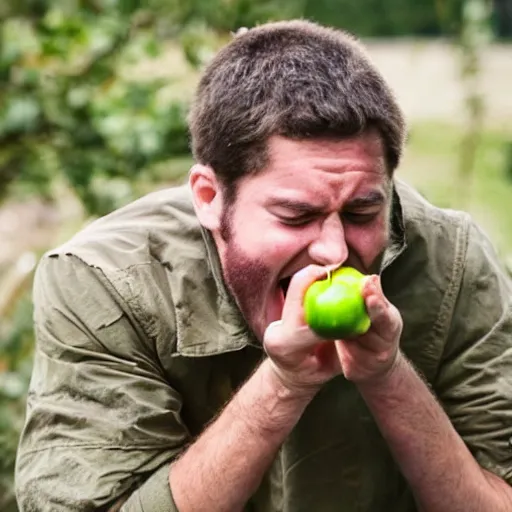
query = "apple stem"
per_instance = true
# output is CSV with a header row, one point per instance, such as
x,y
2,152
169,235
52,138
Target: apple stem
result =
x,y
329,275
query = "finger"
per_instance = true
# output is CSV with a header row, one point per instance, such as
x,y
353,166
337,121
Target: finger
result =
x,y
293,310
372,286
386,321
280,340
384,316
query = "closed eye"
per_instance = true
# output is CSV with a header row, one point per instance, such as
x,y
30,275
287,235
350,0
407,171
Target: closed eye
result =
x,y
298,221
359,218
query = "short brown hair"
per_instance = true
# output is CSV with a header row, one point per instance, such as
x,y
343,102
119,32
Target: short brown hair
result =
x,y
293,78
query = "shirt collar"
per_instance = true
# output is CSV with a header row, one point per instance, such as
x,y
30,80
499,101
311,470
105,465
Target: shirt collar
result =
x,y
212,322
397,240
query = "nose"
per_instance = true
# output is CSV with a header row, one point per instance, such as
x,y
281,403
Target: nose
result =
x,y
330,248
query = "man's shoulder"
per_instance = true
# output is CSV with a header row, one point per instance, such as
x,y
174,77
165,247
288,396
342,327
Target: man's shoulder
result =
x,y
156,227
424,281
436,240
422,216
437,236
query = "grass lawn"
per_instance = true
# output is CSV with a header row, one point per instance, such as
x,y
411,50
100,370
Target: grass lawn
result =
x,y
431,164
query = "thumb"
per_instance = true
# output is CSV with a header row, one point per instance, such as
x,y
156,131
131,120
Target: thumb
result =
x,y
293,312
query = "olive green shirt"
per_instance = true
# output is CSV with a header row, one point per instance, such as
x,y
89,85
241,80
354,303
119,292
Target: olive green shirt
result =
x,y
139,346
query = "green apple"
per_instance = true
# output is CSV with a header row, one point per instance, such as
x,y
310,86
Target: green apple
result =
x,y
334,307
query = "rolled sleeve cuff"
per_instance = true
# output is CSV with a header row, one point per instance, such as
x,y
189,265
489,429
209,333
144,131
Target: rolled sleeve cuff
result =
x,y
154,495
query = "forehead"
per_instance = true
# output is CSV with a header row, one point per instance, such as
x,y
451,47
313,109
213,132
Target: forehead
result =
x,y
330,170
366,148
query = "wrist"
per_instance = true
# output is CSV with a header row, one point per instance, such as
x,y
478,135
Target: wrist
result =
x,y
389,379
268,404
284,387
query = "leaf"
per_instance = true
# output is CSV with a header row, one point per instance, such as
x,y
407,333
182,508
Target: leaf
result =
x,y
21,114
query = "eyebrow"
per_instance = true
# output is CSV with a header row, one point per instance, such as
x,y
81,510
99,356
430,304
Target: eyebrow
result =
x,y
297,206
373,198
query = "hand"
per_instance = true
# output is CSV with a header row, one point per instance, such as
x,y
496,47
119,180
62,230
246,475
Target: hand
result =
x,y
301,359
373,355
304,362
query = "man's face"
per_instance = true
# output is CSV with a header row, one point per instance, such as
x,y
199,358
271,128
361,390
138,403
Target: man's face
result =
x,y
321,202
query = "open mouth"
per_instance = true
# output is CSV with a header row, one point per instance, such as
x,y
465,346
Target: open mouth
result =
x,y
284,284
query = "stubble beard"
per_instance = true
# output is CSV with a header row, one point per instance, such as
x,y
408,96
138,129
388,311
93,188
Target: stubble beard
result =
x,y
246,278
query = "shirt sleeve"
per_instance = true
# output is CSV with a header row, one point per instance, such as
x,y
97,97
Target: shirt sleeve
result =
x,y
154,495
474,382
103,424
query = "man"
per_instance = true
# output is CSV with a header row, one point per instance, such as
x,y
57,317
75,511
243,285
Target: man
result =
x,y
173,367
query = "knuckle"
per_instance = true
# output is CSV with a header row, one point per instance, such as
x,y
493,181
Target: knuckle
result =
x,y
308,274
397,320
273,340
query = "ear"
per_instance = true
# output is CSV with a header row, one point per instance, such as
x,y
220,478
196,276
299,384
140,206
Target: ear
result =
x,y
207,196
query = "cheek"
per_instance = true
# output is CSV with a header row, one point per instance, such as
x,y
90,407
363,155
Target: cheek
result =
x,y
367,242
269,243
281,245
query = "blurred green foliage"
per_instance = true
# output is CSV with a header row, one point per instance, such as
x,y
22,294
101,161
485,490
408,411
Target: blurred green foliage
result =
x,y
71,111
390,18
66,107
75,111
16,344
